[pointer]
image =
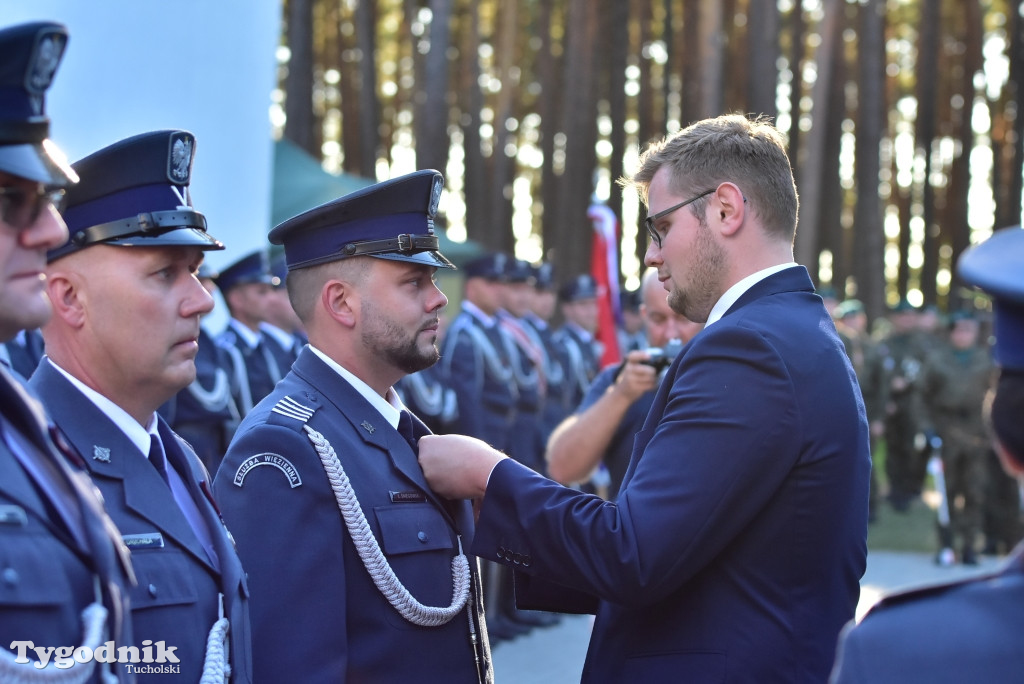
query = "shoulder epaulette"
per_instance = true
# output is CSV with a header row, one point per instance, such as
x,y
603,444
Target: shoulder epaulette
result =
x,y
290,412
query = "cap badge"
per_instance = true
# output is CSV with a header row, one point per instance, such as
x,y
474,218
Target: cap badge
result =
x,y
435,196
45,58
179,158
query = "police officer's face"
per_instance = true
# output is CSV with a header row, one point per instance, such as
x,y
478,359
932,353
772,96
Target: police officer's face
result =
x,y
25,237
690,263
582,312
400,305
141,309
664,324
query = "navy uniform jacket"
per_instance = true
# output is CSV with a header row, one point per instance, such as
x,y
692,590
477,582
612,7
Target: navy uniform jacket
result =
x,y
257,373
526,356
425,394
204,414
580,359
317,615
557,400
475,363
47,576
966,631
176,600
736,546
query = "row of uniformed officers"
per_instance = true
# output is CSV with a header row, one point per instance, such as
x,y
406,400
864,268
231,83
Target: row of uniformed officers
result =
x,y
115,561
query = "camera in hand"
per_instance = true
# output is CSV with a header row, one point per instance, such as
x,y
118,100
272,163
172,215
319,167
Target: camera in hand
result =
x,y
661,358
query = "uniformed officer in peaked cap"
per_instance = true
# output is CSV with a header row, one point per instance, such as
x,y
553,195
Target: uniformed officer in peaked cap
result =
x,y
123,341
966,630
580,350
382,591
64,572
247,285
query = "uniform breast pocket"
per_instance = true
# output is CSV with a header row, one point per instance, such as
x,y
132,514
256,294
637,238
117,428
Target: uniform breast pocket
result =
x,y
164,578
35,567
412,528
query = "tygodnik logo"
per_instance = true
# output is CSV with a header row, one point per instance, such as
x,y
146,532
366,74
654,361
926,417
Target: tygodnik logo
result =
x,y
138,660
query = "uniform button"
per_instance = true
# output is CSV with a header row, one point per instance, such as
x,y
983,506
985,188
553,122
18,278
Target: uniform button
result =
x,y
517,558
10,576
423,536
152,590
501,552
527,561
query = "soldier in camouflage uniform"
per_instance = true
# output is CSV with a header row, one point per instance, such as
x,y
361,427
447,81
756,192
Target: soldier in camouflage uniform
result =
x,y
901,359
851,324
954,380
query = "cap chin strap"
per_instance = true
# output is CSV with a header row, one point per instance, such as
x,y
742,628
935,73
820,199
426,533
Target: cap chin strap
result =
x,y
150,223
24,132
404,243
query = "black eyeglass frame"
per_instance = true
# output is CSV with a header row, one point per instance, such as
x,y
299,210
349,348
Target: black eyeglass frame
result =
x,y
13,211
650,220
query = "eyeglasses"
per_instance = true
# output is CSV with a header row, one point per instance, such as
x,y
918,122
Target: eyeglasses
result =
x,y
20,208
650,220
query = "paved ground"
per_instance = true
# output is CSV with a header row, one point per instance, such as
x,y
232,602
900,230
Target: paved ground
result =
x,y
554,655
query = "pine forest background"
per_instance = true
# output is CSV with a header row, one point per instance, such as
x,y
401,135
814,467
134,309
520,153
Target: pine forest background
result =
x,y
901,117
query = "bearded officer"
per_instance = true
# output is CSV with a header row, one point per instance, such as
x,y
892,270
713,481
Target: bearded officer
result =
x,y
380,590
122,341
64,572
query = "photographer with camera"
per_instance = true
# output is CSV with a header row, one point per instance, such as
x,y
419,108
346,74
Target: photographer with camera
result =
x,y
616,404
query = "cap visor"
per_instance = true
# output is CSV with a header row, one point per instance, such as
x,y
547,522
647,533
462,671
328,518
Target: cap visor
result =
x,y
181,237
435,259
41,162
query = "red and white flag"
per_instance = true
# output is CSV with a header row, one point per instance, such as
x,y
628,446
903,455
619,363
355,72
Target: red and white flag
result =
x,y
604,266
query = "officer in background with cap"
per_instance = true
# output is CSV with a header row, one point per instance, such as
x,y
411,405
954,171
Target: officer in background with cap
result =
x,y
580,352
205,414
247,286
64,573
123,341
475,362
542,303
968,630
379,590
281,328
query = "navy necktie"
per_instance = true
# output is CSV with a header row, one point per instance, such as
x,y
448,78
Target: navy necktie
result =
x,y
405,429
158,458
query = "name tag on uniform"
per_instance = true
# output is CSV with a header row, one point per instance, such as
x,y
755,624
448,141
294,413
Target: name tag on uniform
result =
x,y
408,497
13,515
150,540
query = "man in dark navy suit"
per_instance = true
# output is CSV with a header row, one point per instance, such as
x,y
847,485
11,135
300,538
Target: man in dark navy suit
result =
x,y
357,568
734,550
64,572
122,341
969,630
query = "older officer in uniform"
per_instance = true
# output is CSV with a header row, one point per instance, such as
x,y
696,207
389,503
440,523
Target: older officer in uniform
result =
x,y
64,572
380,589
247,286
966,631
205,414
122,341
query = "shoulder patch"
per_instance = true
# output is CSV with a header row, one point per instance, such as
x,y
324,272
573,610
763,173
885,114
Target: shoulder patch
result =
x,y
289,412
267,459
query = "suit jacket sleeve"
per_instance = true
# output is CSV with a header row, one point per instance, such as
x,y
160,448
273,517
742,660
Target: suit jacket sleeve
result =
x,y
701,470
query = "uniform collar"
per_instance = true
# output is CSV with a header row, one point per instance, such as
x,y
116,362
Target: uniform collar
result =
x,y
390,408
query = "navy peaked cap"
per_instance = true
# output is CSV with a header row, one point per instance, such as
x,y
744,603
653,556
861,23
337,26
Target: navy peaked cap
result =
x,y
581,287
517,271
996,266
251,268
488,266
134,193
29,56
544,276
391,220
